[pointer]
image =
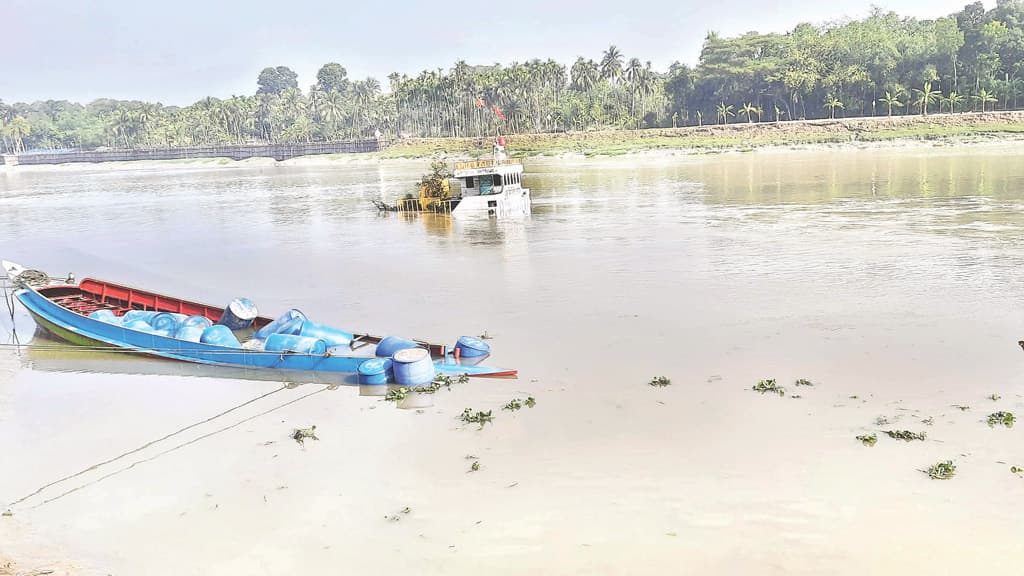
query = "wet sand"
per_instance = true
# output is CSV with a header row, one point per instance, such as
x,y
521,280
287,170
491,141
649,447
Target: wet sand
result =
x,y
889,276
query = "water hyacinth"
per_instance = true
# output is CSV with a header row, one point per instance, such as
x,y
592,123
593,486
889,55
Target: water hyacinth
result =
x,y
1004,418
941,470
769,385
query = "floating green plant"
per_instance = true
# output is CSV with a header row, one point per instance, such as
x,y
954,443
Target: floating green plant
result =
x,y
803,382
1016,470
475,466
301,434
769,385
941,470
994,397
478,417
905,435
514,404
928,421
961,407
881,421
868,439
531,401
1005,418
396,394
660,381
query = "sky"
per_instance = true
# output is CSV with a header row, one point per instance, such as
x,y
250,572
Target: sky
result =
x,y
181,51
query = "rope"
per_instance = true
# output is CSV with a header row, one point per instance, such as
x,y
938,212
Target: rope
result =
x,y
31,278
179,446
146,445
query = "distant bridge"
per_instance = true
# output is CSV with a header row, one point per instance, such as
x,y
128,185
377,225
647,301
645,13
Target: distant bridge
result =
x,y
235,152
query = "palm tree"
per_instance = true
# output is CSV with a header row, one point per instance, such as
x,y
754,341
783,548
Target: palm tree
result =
x,y
123,125
748,110
984,97
954,100
724,111
832,103
891,100
633,72
18,128
611,64
926,97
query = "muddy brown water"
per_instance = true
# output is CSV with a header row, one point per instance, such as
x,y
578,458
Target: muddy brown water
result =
x,y
891,278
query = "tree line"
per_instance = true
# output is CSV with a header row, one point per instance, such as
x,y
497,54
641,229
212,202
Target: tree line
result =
x,y
882,64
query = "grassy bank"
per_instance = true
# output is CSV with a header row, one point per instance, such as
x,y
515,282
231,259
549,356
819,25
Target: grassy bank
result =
x,y
737,136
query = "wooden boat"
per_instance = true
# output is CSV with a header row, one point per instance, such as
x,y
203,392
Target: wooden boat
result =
x,y
63,309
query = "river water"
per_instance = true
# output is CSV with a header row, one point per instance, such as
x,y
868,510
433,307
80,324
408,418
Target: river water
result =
x,y
890,278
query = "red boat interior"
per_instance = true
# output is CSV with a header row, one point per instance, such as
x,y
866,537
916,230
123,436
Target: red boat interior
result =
x,y
91,295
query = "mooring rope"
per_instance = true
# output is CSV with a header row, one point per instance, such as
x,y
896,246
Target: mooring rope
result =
x,y
179,446
146,445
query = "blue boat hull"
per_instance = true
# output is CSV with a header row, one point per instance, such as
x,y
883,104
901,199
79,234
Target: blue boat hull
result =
x,y
81,329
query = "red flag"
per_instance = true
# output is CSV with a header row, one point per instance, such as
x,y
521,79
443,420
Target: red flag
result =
x,y
498,112
480,102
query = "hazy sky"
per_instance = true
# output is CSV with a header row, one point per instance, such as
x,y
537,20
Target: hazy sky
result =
x,y
179,51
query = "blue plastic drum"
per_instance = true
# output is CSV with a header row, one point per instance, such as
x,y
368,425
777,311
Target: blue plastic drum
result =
x,y
190,332
376,371
239,314
388,345
471,347
275,326
291,343
105,316
201,321
140,325
131,315
219,335
413,367
167,321
333,336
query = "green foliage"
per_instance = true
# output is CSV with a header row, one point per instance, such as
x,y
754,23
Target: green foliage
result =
x,y
276,80
868,439
1004,418
659,381
941,470
516,403
769,385
300,435
436,179
803,382
468,416
332,77
905,435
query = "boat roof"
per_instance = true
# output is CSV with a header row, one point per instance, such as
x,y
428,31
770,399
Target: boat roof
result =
x,y
487,166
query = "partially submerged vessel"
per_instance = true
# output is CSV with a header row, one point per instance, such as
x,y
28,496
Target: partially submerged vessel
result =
x,y
101,313
489,187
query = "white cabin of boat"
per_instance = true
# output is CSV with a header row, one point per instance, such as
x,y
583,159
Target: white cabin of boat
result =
x,y
492,187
